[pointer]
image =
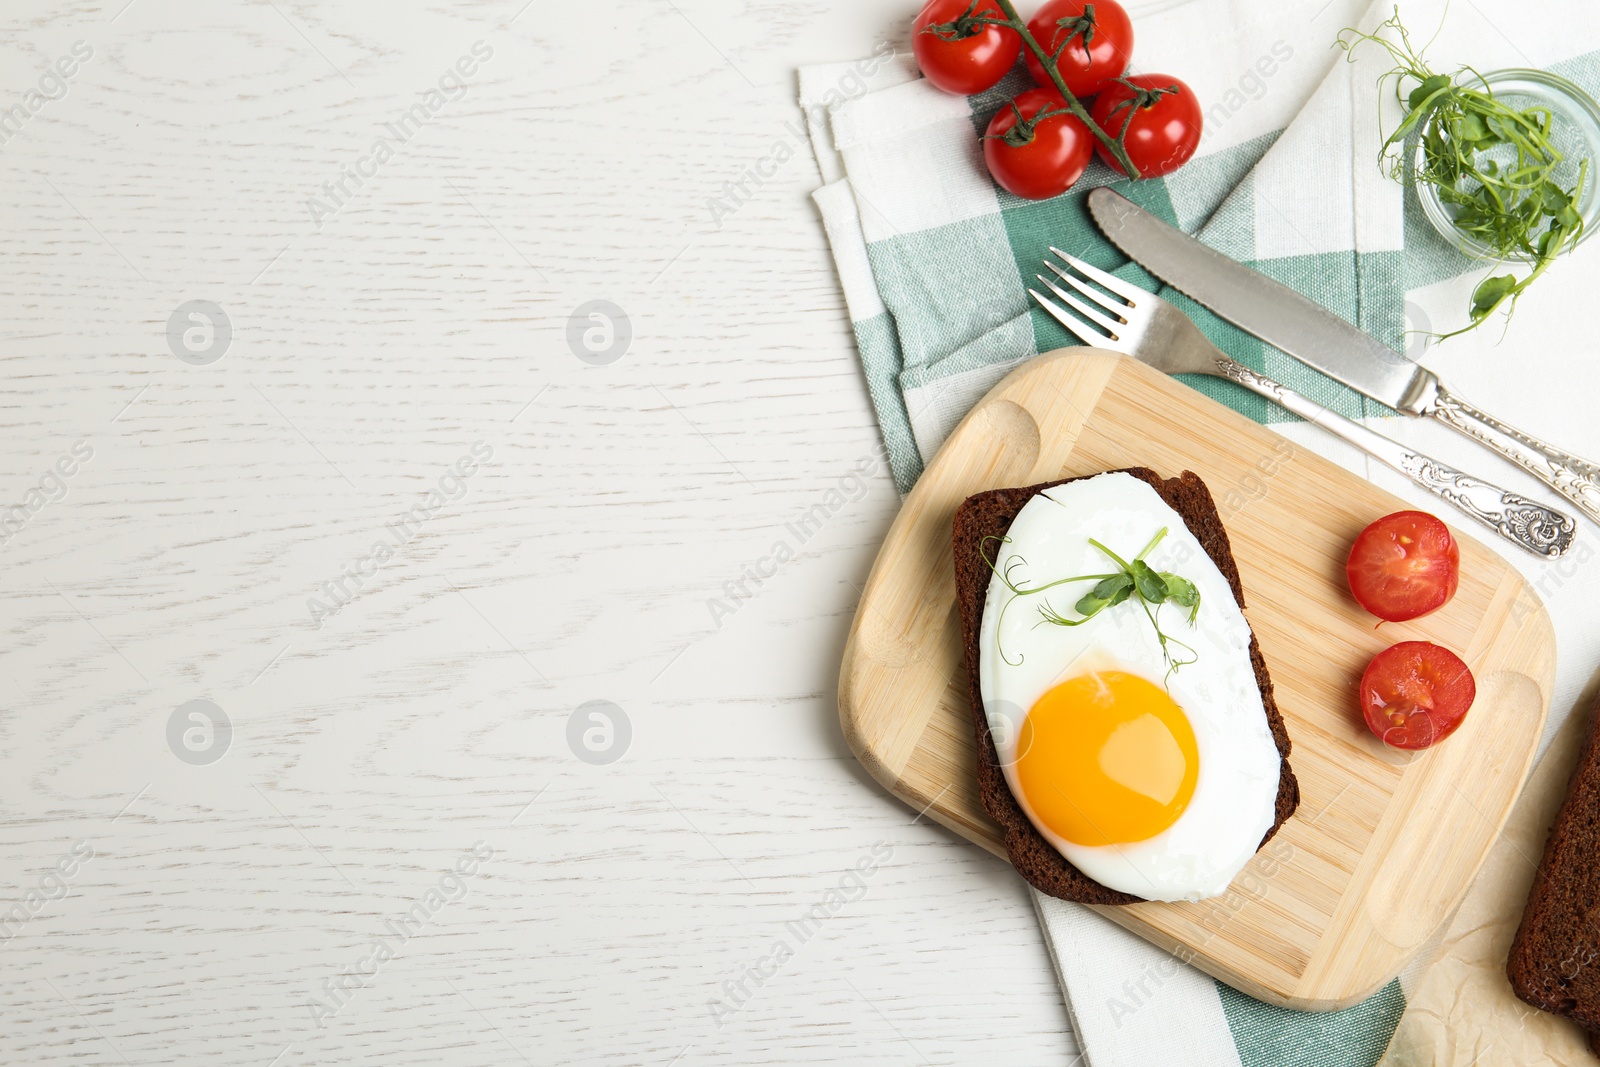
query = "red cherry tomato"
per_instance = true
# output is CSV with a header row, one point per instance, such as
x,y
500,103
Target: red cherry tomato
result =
x,y
1037,158
1163,126
1092,43
958,53
1404,565
1415,693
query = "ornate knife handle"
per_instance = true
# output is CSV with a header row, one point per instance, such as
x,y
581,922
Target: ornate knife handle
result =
x,y
1526,523
1574,478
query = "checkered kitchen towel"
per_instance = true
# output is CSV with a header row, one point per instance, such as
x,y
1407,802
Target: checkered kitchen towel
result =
x,y
934,258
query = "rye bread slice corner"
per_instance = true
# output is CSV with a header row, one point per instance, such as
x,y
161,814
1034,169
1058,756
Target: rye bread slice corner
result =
x,y
991,514
1554,962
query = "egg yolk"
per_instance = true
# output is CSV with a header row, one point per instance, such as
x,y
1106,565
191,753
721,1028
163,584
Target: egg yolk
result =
x,y
1107,758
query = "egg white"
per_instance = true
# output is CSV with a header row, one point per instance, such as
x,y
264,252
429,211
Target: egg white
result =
x,y
1236,790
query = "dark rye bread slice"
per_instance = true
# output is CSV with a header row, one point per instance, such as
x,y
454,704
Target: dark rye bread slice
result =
x,y
991,514
1554,963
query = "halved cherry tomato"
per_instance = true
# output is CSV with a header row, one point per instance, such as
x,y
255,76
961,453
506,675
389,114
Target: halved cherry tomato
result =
x,y
1404,565
1162,117
1035,147
959,54
1092,42
1415,693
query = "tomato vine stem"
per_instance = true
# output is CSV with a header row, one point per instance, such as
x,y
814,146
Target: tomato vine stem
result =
x,y
1046,60
1022,132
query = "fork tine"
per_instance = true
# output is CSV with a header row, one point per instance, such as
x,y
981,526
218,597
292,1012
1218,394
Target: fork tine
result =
x,y
1109,325
1111,304
1077,326
1128,291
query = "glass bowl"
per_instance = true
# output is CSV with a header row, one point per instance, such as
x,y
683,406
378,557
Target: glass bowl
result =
x,y
1575,130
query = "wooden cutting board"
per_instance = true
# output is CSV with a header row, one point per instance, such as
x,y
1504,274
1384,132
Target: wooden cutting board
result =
x,y
1385,843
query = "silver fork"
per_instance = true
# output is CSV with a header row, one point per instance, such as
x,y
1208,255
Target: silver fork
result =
x,y
1146,327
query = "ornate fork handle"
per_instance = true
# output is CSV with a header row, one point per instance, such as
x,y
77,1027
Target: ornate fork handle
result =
x,y
1527,523
1573,477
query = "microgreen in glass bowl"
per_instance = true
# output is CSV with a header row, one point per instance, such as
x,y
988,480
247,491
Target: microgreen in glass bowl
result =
x,y
1501,163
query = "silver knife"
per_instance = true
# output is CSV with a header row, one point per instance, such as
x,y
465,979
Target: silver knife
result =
x,y
1317,337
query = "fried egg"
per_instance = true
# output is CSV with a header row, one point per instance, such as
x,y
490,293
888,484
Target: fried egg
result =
x,y
1156,782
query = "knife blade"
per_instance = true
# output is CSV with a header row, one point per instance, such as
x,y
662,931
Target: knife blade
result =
x,y
1268,309
1315,336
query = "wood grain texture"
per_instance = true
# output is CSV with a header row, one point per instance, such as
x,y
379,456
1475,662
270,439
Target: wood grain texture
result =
x,y
430,713
1361,877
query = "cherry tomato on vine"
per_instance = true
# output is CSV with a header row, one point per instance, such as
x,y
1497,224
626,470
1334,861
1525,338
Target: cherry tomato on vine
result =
x,y
1092,42
1416,693
1035,147
956,52
1162,117
1404,565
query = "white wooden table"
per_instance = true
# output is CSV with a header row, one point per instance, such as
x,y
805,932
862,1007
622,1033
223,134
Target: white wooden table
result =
x,y
247,857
